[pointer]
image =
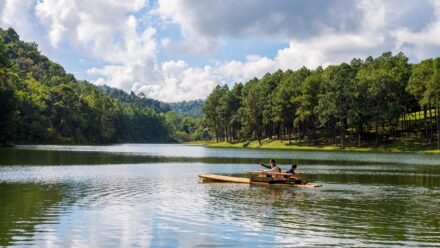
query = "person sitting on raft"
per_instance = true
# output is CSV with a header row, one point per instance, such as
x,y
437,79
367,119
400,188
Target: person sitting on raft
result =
x,y
272,167
294,175
292,169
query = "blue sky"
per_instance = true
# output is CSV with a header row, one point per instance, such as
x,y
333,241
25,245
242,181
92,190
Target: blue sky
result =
x,y
175,50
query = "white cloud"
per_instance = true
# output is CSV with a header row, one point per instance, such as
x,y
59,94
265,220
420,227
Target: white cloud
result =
x,y
15,13
319,51
207,23
104,29
253,66
180,82
421,43
107,31
126,36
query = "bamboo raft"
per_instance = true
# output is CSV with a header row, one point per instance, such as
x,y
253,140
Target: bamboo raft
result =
x,y
257,178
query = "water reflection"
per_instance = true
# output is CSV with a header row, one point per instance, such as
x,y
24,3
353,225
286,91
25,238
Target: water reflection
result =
x,y
193,152
78,155
333,215
24,206
162,204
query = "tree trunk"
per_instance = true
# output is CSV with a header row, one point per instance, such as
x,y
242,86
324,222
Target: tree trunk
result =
x,y
216,131
438,126
431,122
289,129
334,130
259,137
377,134
425,121
314,132
279,133
342,130
404,124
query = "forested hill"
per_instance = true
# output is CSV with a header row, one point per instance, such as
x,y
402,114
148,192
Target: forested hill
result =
x,y
364,103
188,108
138,100
41,103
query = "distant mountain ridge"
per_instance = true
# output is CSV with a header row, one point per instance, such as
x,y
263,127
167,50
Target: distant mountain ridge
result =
x,y
138,100
192,109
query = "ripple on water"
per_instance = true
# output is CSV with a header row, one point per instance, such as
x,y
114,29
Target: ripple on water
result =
x,y
164,205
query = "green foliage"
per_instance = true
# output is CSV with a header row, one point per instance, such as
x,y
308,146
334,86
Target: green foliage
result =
x,y
375,96
138,100
40,102
188,108
8,110
186,128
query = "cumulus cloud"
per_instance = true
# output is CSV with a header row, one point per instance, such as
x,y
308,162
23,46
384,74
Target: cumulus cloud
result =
x,y
108,31
319,51
181,82
423,42
206,22
91,24
319,32
126,36
15,13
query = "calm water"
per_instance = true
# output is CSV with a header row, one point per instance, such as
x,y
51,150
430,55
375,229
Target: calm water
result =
x,y
149,196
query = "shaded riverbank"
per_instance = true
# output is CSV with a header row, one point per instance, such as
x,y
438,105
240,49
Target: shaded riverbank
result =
x,y
407,146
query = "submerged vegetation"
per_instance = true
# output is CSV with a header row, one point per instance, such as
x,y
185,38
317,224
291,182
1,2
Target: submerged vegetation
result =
x,y
368,103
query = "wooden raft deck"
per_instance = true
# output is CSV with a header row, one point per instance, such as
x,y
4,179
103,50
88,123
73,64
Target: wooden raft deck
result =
x,y
221,178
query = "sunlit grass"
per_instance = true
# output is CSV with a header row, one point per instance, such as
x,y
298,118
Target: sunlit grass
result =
x,y
404,146
401,145
418,115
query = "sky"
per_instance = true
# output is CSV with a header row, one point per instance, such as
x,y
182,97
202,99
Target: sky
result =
x,y
175,50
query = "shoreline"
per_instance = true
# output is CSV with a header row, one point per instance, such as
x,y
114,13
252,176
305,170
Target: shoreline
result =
x,y
278,145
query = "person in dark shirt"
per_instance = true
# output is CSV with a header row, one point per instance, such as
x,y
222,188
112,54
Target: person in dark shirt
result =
x,y
292,169
295,176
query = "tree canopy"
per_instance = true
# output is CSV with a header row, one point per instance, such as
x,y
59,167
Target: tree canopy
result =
x,y
41,103
367,101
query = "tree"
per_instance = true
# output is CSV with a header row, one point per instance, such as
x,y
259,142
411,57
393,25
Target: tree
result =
x,y
308,100
8,111
211,110
386,78
334,100
284,106
253,104
42,103
434,90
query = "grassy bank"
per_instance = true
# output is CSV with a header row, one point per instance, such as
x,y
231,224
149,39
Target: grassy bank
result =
x,y
404,146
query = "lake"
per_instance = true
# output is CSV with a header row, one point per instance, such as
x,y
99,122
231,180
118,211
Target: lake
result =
x,y
148,195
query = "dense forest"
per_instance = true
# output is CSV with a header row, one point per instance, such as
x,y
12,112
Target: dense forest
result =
x,y
365,103
191,109
41,103
139,100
